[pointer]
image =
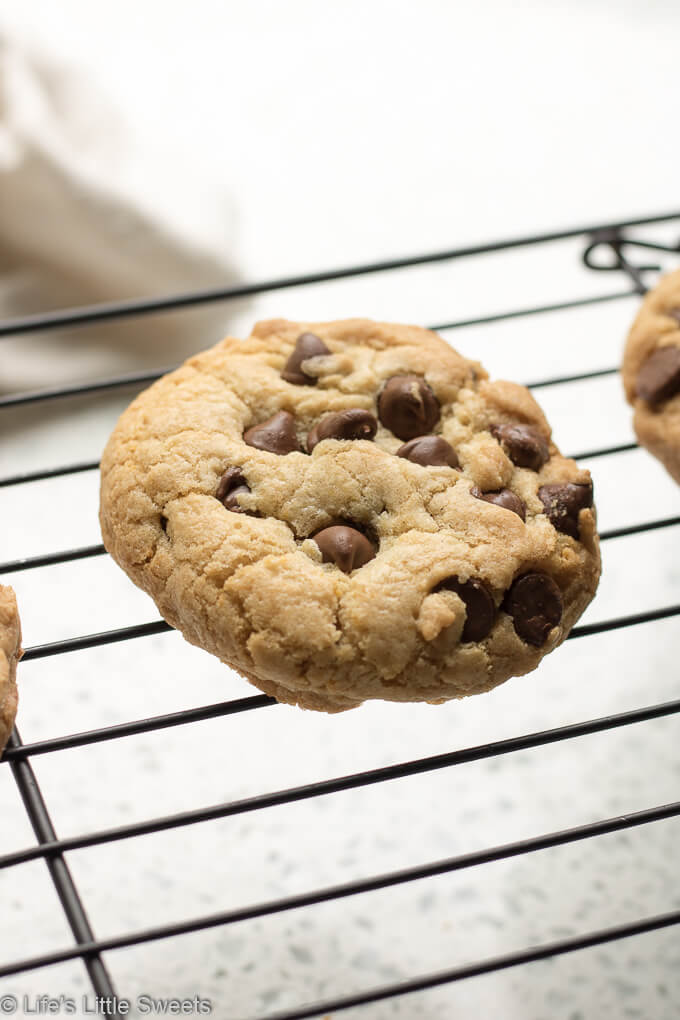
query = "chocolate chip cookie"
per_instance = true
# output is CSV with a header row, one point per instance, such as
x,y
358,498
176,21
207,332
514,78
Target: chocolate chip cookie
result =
x,y
651,372
10,653
351,510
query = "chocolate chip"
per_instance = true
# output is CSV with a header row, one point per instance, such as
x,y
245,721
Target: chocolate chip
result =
x,y
535,604
232,484
307,345
563,502
525,445
276,435
408,407
429,451
502,497
344,546
674,314
480,609
354,423
659,377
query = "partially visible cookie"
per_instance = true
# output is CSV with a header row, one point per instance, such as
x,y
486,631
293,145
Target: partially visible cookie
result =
x,y
651,372
10,653
351,510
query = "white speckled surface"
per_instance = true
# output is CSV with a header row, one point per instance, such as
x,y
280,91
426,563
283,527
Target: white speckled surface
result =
x,y
555,167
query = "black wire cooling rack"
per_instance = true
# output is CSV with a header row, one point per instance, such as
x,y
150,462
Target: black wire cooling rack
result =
x,y
606,248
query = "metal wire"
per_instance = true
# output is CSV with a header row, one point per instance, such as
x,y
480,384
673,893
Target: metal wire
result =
x,y
51,848
106,637
496,963
142,378
125,309
459,863
341,784
38,814
159,722
51,559
40,476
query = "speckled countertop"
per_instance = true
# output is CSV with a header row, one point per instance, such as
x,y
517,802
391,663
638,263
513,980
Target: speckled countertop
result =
x,y
255,967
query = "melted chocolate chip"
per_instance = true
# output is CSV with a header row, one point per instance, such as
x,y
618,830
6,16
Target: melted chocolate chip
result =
x,y
232,484
659,377
535,604
354,423
525,445
408,407
480,609
563,502
429,451
502,497
344,546
276,435
307,345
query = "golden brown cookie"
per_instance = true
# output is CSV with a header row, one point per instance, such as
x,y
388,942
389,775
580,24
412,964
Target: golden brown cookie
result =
x,y
651,372
351,510
10,653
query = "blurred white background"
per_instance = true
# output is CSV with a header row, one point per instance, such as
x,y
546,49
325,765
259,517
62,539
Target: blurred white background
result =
x,y
289,137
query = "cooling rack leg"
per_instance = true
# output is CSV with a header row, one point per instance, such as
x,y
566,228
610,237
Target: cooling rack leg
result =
x,y
36,809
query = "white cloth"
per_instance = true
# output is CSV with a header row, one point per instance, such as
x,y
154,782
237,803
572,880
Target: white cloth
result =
x,y
88,213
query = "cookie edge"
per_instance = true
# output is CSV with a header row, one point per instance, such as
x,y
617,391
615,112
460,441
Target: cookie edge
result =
x,y
10,654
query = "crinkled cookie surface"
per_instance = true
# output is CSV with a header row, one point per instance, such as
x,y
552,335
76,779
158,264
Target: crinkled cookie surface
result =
x,y
651,372
351,510
10,653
